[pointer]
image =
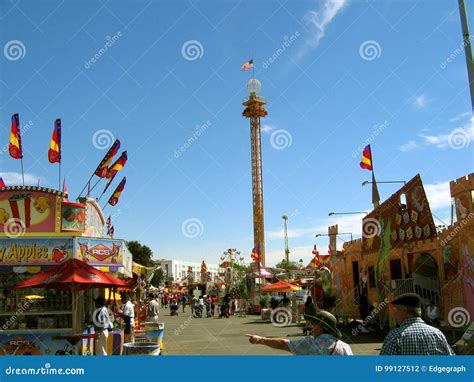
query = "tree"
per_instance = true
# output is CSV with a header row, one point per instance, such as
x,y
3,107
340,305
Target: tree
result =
x,y
141,254
289,265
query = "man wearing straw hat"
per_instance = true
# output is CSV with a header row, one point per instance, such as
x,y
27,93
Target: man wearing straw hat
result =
x,y
325,339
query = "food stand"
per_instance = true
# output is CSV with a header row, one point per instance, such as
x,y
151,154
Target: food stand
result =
x,y
39,229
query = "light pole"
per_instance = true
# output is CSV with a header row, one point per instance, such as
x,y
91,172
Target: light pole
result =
x,y
348,213
287,249
334,234
384,181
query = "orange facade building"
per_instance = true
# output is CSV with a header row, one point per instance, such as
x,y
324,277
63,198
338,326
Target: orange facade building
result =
x,y
403,251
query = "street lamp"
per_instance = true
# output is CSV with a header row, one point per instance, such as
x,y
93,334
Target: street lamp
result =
x,y
332,234
382,181
347,213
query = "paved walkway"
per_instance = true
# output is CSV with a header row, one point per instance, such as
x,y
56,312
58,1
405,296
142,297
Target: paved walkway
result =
x,y
185,335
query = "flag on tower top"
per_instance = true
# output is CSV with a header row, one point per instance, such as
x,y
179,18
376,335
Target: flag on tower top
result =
x,y
54,152
366,161
247,65
14,148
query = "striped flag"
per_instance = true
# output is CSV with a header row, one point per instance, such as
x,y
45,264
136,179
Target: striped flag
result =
x,y
366,162
256,254
14,148
114,198
118,165
247,65
103,168
54,152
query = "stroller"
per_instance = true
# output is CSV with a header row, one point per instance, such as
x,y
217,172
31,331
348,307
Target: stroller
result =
x,y
174,308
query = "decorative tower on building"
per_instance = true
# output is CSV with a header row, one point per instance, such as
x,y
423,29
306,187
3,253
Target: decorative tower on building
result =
x,y
254,110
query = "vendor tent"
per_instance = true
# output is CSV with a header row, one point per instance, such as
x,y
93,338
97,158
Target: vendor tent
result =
x,y
281,286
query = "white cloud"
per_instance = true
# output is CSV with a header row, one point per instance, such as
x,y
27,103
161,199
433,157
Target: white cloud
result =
x,y
439,195
319,19
458,137
15,179
410,145
420,101
461,116
267,128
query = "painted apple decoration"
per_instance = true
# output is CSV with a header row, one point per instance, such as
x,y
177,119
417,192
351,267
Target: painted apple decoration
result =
x,y
58,255
80,217
69,215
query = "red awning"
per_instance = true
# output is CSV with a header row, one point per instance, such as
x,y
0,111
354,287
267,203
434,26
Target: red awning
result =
x,y
75,275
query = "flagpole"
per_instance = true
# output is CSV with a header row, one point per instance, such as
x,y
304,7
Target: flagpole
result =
x,y
96,183
100,197
22,172
59,178
86,184
374,185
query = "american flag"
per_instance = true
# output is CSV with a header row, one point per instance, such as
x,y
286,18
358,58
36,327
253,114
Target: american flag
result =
x,y
247,65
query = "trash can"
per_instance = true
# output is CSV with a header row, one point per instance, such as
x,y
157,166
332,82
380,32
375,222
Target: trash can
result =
x,y
141,348
154,332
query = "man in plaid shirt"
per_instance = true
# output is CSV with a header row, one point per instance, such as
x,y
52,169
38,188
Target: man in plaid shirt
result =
x,y
413,337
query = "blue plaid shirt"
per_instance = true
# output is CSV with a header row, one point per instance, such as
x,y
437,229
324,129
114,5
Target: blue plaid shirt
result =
x,y
414,337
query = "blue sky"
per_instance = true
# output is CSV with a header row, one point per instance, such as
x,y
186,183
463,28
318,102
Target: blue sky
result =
x,y
167,81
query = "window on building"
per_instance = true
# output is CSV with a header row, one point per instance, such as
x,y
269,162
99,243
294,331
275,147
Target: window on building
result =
x,y
371,277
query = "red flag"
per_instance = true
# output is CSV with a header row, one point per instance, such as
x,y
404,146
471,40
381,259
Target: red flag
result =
x,y
366,162
256,254
2,183
103,168
118,165
114,198
203,267
15,149
54,152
